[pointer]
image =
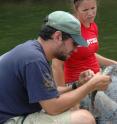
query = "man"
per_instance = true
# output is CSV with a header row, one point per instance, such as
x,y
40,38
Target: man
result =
x,y
26,82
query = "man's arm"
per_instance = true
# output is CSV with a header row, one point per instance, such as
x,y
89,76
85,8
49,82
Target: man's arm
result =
x,y
67,100
84,77
64,89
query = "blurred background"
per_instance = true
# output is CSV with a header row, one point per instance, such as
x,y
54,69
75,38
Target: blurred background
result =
x,y
20,20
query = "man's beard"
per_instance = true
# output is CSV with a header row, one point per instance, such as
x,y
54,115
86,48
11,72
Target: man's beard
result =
x,y
61,57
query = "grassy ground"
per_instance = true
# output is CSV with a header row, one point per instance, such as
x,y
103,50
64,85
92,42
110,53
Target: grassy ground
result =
x,y
107,23
21,21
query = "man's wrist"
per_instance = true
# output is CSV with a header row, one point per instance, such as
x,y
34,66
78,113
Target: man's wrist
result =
x,y
75,85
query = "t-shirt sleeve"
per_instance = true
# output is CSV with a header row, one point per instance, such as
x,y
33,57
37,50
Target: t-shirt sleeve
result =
x,y
39,82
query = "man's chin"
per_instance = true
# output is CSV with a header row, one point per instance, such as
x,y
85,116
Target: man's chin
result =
x,y
62,58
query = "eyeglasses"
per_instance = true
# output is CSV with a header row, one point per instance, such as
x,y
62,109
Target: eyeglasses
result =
x,y
75,44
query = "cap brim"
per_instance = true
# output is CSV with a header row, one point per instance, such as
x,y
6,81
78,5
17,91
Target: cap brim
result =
x,y
79,40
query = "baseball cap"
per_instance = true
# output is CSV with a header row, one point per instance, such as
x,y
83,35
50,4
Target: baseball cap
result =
x,y
67,23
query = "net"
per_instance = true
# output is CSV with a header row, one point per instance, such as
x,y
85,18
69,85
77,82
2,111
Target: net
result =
x,y
105,105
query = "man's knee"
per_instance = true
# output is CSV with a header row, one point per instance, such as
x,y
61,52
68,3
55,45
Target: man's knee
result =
x,y
82,117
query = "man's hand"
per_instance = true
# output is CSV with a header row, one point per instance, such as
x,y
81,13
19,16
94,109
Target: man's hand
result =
x,y
86,76
100,81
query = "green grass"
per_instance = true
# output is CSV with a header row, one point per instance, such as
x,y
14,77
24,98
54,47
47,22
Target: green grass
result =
x,y
21,21
106,20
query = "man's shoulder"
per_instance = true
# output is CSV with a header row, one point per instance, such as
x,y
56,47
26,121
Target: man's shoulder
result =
x,y
27,52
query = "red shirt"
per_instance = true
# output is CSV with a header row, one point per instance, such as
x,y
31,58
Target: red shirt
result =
x,y
83,58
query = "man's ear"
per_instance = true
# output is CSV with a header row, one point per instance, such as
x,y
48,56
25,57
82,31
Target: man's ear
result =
x,y
57,36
